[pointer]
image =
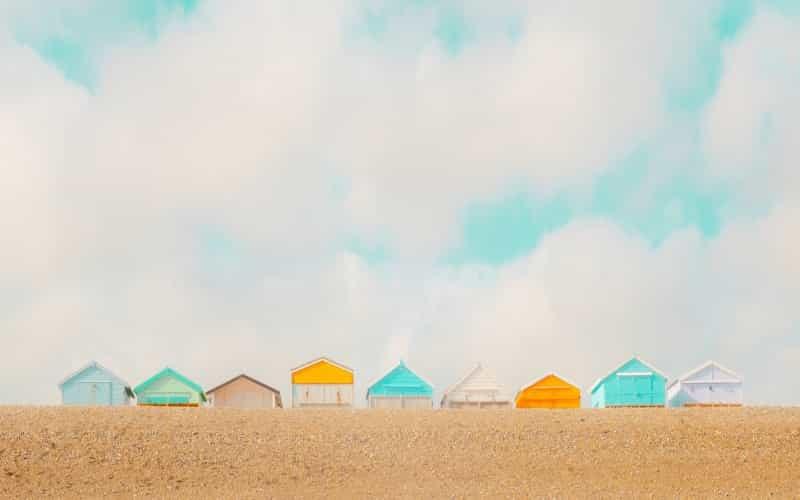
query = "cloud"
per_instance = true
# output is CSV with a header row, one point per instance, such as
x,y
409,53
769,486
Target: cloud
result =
x,y
576,91
194,207
750,126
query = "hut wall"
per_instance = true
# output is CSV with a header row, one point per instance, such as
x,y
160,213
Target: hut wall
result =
x,y
322,395
634,390
408,402
714,393
687,393
477,396
477,405
599,397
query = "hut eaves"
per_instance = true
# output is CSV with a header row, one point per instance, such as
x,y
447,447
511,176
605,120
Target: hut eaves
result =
x,y
322,358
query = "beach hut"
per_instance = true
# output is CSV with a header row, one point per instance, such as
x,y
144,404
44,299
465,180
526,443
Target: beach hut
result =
x,y
169,388
633,383
95,385
478,389
243,391
550,391
710,384
322,383
400,388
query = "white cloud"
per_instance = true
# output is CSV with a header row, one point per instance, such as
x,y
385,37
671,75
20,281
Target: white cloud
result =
x,y
752,136
37,106
579,90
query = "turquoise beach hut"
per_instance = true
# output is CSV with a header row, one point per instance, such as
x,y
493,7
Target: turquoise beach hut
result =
x,y
633,383
169,388
400,388
95,385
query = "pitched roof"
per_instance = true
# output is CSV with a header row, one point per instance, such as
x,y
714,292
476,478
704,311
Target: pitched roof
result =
x,y
317,360
703,367
174,374
478,368
549,374
401,364
618,367
94,364
246,377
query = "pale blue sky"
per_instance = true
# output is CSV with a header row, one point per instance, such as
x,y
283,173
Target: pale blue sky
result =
x,y
335,178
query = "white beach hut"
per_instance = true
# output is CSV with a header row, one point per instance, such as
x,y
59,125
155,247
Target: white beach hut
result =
x,y
479,389
710,384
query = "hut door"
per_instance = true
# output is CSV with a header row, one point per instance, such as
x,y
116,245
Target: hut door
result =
x,y
636,389
644,389
95,393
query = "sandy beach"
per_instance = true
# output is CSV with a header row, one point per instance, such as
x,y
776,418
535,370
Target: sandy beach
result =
x,y
190,453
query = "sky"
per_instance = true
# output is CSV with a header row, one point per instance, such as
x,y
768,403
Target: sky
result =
x,y
226,187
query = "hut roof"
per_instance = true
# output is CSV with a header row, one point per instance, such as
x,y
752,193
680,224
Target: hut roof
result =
x,y
326,360
549,374
95,364
479,373
418,380
251,379
694,371
621,365
169,372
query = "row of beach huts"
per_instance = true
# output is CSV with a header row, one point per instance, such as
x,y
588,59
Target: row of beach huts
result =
x,y
324,383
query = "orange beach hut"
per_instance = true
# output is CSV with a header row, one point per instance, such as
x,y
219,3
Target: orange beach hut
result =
x,y
550,391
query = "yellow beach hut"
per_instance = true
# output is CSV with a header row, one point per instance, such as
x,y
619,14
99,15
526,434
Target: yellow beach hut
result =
x,y
322,383
550,391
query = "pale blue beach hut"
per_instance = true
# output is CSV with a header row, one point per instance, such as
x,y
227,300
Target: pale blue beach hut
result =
x,y
633,383
400,388
95,385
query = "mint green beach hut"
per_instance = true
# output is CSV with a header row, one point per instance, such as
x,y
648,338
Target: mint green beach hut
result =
x,y
169,388
633,383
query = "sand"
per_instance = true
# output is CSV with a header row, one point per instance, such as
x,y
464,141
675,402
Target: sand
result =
x,y
202,453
